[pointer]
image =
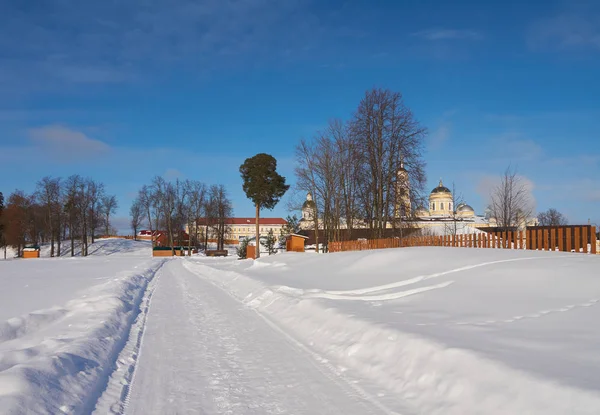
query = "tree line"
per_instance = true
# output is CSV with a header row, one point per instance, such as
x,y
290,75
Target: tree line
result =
x,y
59,210
172,207
351,167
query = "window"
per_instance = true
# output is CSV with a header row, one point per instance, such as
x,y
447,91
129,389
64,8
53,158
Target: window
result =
x,y
433,206
442,206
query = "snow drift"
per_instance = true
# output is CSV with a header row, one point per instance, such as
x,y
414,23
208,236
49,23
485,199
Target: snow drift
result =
x,y
446,330
57,359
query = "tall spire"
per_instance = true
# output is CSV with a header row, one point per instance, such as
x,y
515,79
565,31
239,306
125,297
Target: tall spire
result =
x,y
441,184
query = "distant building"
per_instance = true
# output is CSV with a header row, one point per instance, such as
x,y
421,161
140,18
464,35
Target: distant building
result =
x,y
161,238
241,228
436,217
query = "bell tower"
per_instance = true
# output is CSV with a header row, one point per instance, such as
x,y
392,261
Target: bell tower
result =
x,y
403,205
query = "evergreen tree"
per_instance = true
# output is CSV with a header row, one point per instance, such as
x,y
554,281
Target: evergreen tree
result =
x,y
292,225
263,185
270,241
242,249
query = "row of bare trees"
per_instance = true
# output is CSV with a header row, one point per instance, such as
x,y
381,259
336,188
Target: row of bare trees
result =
x,y
351,167
172,207
59,210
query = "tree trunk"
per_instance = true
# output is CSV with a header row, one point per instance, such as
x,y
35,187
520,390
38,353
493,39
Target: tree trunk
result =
x,y
59,239
257,232
72,235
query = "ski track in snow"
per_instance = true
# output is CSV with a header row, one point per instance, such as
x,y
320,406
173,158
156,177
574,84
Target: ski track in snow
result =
x,y
359,293
117,393
205,352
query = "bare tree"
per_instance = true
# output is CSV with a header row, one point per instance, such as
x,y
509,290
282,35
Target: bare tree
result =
x,y
552,217
137,213
452,228
307,179
511,203
194,206
95,195
108,206
220,210
17,221
388,135
351,169
149,206
71,207
48,194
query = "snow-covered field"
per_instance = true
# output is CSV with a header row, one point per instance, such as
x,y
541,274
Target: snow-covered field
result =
x,y
440,330
407,331
62,323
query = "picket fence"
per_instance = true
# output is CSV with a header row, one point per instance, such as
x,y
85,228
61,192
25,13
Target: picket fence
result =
x,y
549,238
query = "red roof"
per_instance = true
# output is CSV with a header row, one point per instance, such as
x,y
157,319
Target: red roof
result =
x,y
249,221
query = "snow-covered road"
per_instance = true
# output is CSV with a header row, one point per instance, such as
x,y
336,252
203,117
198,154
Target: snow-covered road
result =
x,y
375,332
204,352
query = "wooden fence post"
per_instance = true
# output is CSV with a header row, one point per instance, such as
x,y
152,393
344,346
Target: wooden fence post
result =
x,y
561,239
577,244
569,245
545,239
553,239
593,239
584,238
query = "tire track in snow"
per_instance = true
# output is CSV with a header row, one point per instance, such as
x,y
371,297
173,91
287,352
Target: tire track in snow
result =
x,y
322,364
369,290
115,398
382,297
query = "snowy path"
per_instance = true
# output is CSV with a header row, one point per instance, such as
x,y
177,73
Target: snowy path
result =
x,y
204,352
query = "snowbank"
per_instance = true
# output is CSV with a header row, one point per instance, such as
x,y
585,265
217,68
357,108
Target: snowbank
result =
x,y
57,359
446,330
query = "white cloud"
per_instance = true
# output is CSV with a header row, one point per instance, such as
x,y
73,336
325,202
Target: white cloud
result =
x,y
566,32
488,183
171,174
66,144
514,147
440,136
63,43
448,34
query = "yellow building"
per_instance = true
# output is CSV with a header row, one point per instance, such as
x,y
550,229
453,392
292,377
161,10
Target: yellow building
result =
x,y
441,204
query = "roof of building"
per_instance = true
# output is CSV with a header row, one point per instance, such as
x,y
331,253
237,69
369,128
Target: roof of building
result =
x,y
463,207
308,203
248,221
441,189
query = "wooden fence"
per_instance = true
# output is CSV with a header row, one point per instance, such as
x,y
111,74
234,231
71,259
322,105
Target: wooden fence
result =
x,y
116,236
564,238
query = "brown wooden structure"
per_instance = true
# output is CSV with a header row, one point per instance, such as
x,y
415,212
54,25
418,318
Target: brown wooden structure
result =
x,y
31,254
295,243
216,252
575,238
162,252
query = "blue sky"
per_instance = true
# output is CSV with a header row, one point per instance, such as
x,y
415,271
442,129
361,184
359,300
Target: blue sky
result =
x,y
123,91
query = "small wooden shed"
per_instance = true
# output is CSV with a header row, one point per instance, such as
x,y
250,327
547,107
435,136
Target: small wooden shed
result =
x,y
31,252
162,251
250,251
295,243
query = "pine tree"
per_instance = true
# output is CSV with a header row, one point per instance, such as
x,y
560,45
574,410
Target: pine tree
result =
x,y
242,249
270,241
263,185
